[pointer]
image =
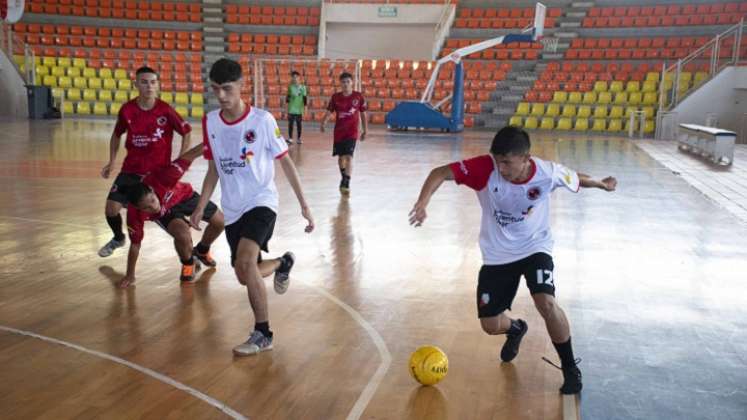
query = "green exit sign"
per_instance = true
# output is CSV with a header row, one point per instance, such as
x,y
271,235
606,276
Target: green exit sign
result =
x,y
387,11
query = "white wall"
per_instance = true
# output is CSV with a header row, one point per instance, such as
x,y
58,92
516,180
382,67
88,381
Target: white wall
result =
x,y
14,102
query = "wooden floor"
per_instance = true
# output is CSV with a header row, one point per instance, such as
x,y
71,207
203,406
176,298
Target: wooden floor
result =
x,y
366,291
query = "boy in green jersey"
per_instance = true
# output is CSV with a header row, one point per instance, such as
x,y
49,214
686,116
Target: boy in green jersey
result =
x,y
296,100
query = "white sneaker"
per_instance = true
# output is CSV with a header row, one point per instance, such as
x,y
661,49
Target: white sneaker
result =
x,y
256,343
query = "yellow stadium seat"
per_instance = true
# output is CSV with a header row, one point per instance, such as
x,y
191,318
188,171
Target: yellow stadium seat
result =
x,y
109,84
686,76
584,111
124,84
89,72
600,112
73,94
531,123
700,76
83,108
182,111
616,86
57,71
49,80
515,121
564,124
79,63
633,86
197,99
629,110
80,82
65,82
621,98
42,71
614,126
105,73
615,112
67,107
538,110
18,59
599,124
197,112
649,86
569,110
89,95
552,110
58,93
49,61
114,108
652,76
105,96
94,83
167,97
99,108
64,61
121,96
667,85
590,97
522,108
648,127
120,74
650,98
574,97
582,124
635,98
547,123
604,98
560,96
181,98
669,76
649,111
133,94
73,72
683,85
600,86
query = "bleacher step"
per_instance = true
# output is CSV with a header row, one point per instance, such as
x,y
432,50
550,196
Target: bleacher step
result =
x,y
566,35
580,14
215,49
570,24
583,4
215,20
213,29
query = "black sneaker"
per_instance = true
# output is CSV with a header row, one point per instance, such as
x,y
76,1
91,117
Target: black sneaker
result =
x,y
282,275
344,187
571,380
511,346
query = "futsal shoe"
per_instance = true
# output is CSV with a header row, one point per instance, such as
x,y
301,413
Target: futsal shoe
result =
x,y
256,343
205,258
282,274
298,140
571,380
511,346
344,187
189,271
110,246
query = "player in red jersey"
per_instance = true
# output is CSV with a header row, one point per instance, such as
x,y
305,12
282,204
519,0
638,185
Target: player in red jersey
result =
x,y
349,106
161,198
150,124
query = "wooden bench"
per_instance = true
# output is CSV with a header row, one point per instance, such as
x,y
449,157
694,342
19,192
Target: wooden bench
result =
x,y
713,143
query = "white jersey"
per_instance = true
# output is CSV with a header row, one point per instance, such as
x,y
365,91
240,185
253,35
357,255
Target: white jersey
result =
x,y
244,152
515,217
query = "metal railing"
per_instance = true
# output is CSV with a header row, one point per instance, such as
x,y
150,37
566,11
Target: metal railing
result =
x,y
11,46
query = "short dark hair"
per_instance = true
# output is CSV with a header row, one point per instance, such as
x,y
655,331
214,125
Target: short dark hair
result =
x,y
510,140
225,70
346,75
295,73
145,70
136,192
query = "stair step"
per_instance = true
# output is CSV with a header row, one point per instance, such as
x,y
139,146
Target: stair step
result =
x,y
213,20
570,24
213,39
215,49
580,4
566,35
213,29
580,14
211,10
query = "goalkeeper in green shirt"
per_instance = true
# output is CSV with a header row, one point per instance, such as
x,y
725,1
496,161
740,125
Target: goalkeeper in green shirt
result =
x,y
296,100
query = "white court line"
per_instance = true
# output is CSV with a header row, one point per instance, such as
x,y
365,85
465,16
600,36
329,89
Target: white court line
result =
x,y
24,219
386,357
570,407
160,377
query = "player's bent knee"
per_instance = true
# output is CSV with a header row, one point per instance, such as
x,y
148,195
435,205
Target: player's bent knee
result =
x,y
243,268
545,304
492,325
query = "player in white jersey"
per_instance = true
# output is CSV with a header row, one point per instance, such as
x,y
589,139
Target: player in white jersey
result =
x,y
241,144
515,239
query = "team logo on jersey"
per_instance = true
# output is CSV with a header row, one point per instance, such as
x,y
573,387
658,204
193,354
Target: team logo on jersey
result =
x,y
534,193
528,211
161,120
463,168
277,132
250,137
568,179
355,102
484,300
159,133
246,155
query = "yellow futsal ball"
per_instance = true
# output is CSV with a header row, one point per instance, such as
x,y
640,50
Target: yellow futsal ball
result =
x,y
428,365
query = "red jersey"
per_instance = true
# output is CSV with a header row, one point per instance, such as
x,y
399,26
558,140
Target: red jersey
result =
x,y
165,184
149,135
348,109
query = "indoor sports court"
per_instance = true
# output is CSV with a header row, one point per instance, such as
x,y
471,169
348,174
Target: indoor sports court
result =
x,y
648,275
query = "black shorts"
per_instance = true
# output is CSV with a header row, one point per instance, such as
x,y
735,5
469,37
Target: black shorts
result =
x,y
119,188
497,284
186,208
343,147
257,225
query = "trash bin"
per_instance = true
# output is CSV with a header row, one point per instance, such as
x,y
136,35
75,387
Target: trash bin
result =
x,y
40,101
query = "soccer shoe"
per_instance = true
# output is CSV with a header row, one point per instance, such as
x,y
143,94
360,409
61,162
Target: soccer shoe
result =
x,y
256,343
571,380
298,140
344,187
110,246
289,141
511,346
206,258
282,274
189,271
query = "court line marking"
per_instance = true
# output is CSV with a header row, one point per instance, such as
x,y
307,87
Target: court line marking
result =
x,y
24,219
158,376
386,358
570,407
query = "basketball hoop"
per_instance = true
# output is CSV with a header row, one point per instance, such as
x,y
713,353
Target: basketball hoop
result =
x,y
549,44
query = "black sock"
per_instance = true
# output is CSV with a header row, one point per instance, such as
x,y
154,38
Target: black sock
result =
x,y
342,172
264,328
115,223
565,351
515,328
189,261
202,248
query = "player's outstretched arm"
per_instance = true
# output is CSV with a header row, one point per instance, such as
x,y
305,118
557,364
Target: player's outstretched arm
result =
x,y
289,168
608,184
186,143
192,153
113,149
132,256
208,186
431,184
